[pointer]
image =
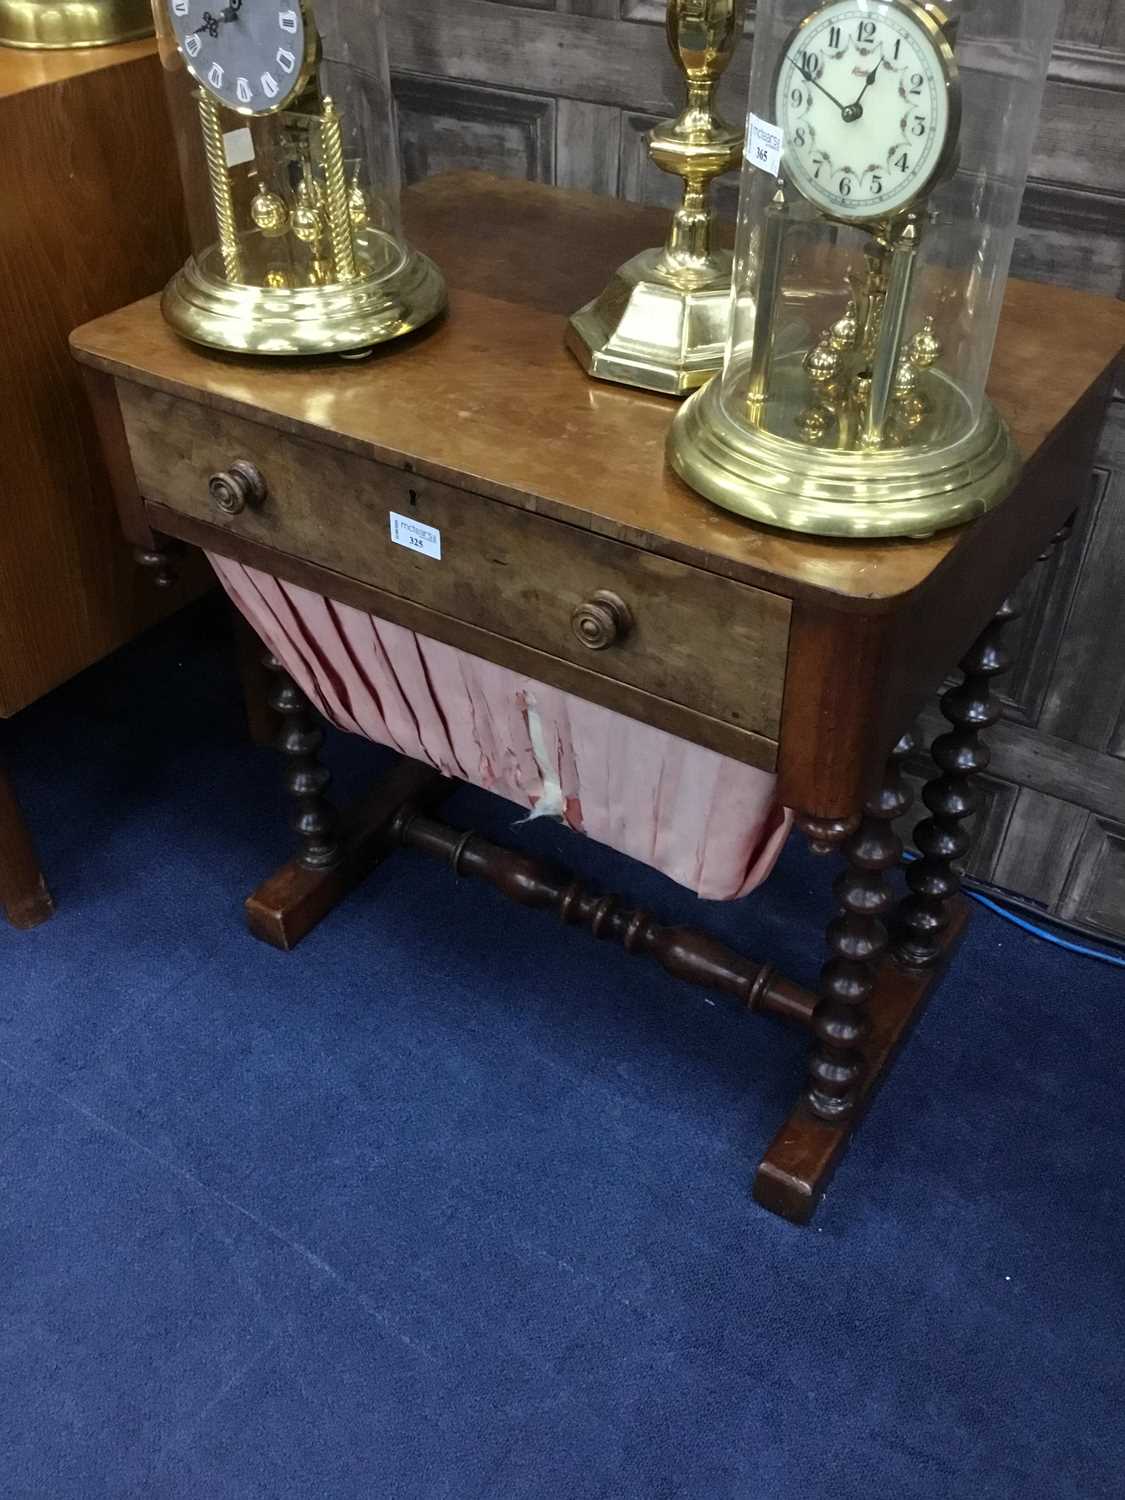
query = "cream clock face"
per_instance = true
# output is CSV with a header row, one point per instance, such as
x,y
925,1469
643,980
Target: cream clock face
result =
x,y
253,55
868,98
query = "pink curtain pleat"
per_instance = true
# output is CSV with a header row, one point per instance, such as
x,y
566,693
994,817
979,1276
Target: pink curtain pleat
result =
x,y
708,822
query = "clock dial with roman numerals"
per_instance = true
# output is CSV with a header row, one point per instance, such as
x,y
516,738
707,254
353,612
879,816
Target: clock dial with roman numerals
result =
x,y
867,95
253,55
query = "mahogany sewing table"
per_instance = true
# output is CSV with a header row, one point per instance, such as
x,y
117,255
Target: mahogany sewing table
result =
x,y
805,657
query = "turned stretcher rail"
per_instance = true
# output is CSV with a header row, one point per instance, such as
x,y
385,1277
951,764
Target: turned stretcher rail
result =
x,y
684,952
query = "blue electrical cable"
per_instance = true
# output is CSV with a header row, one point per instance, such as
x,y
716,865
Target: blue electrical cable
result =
x,y
1048,937
1116,959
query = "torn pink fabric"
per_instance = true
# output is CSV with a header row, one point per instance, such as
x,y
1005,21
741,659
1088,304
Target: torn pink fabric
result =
x,y
710,823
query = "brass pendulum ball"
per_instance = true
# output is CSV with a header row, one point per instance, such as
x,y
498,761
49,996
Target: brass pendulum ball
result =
x,y
306,220
269,211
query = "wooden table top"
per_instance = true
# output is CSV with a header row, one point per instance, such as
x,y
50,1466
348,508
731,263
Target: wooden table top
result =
x,y
490,399
22,68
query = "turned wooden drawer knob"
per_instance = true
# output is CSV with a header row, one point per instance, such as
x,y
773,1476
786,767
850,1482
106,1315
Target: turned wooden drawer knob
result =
x,y
602,620
237,487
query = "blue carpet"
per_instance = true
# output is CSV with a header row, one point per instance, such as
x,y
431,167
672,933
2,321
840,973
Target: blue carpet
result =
x,y
451,1202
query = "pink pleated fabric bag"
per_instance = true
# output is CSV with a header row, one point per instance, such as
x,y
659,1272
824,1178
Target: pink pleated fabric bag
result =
x,y
710,823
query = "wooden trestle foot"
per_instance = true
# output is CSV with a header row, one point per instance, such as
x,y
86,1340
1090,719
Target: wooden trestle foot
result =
x,y
294,899
807,1149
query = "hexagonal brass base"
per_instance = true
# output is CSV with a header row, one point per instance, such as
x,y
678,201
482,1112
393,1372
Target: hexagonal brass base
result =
x,y
897,492
646,331
335,319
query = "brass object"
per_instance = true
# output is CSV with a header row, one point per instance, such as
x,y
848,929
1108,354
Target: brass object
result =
x,y
845,491
359,210
769,291
823,363
906,378
55,25
857,432
269,211
892,319
336,194
925,348
307,220
661,322
814,422
603,620
322,318
236,488
301,265
843,334
218,176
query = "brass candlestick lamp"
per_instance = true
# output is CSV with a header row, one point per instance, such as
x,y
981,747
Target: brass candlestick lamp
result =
x,y
661,322
291,176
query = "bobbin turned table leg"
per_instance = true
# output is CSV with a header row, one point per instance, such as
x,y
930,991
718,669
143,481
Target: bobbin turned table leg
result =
x,y
953,798
866,1007
299,740
336,851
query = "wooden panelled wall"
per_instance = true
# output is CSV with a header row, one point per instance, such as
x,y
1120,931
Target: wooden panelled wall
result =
x,y
563,91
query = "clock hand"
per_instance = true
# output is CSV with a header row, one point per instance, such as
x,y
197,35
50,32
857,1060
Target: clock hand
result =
x,y
212,23
871,77
810,79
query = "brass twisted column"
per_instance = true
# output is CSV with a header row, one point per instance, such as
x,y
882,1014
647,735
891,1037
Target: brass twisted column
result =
x,y
336,193
218,175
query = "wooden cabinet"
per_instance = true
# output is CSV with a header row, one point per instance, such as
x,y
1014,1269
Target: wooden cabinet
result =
x,y
91,218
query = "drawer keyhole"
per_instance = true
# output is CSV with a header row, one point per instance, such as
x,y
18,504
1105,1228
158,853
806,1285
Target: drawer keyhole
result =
x,y
603,620
235,488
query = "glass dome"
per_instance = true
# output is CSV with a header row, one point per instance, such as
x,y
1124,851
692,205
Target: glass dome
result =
x,y
285,131
870,266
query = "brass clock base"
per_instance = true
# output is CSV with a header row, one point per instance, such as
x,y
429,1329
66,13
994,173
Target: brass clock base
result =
x,y
647,330
337,318
50,25
897,492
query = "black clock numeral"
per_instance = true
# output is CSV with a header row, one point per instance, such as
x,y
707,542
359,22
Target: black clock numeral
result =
x,y
902,162
845,187
835,38
819,168
918,126
865,32
917,84
797,98
898,50
800,135
811,64
876,184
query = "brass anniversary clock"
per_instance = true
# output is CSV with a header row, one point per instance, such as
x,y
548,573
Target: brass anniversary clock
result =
x,y
291,175
870,267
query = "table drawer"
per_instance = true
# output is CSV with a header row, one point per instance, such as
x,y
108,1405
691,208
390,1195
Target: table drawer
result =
x,y
686,635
